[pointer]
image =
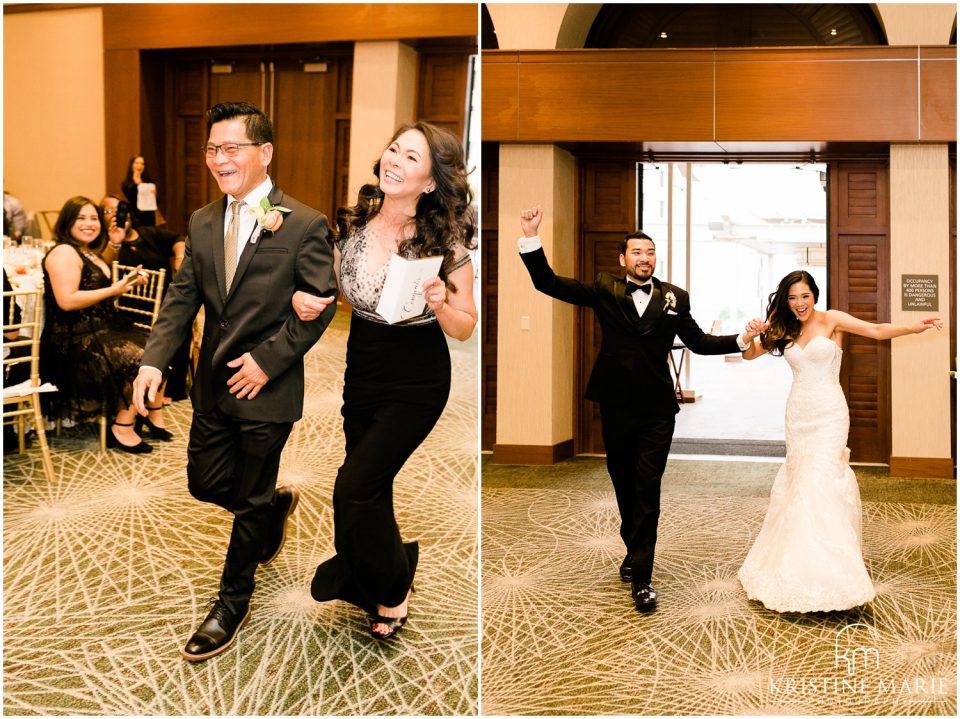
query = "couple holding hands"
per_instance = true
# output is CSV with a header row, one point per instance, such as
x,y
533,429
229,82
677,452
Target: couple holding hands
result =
x,y
807,556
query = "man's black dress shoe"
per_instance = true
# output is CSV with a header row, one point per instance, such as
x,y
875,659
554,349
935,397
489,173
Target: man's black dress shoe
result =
x,y
626,570
286,502
216,633
644,597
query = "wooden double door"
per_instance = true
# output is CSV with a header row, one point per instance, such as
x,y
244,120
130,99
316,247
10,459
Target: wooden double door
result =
x,y
306,93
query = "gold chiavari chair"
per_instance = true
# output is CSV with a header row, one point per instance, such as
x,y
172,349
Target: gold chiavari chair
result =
x,y
22,400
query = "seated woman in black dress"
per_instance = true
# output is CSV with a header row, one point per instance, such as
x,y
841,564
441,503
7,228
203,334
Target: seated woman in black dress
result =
x,y
87,349
398,376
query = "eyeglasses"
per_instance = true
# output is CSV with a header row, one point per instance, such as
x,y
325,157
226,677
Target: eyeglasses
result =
x,y
229,149
109,212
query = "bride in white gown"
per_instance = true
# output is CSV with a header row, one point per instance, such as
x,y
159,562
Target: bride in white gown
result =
x,y
808,557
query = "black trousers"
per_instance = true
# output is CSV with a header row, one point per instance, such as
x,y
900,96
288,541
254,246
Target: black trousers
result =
x,y
233,463
637,447
395,388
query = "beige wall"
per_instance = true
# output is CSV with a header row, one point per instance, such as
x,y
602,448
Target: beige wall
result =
x,y
535,341
920,365
917,23
53,126
542,26
384,91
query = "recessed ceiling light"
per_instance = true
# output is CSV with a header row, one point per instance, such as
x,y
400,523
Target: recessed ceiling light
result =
x,y
833,32
663,35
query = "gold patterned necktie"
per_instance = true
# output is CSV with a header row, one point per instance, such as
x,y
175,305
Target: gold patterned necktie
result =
x,y
230,244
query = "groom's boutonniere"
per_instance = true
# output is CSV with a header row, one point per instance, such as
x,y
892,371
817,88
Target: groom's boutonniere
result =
x,y
269,217
670,300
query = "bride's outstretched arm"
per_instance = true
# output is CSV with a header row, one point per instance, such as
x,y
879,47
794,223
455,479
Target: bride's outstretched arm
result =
x,y
882,331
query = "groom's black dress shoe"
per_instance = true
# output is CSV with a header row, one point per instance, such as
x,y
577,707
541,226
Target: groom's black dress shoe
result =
x,y
216,633
644,597
626,570
285,503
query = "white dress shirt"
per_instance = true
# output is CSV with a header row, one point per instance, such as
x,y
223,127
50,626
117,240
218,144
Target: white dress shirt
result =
x,y
640,299
248,229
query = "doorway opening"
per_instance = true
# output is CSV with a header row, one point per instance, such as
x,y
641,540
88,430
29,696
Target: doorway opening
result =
x,y
727,233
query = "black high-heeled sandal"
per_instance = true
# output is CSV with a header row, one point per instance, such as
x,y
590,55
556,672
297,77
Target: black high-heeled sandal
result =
x,y
114,443
394,623
161,433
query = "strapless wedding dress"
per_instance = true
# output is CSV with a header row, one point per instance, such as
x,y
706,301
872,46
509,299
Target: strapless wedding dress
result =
x,y
808,555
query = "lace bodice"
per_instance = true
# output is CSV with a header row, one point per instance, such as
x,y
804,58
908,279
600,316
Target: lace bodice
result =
x,y
363,271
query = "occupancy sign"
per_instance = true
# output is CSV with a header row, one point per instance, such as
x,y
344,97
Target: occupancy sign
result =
x,y
920,293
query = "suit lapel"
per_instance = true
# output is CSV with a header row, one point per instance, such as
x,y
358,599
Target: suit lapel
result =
x,y
252,242
216,237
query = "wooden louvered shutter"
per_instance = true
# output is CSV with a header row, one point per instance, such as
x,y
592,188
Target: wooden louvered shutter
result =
x,y
860,284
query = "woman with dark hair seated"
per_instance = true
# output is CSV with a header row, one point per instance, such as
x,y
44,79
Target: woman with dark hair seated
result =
x,y
398,375
87,349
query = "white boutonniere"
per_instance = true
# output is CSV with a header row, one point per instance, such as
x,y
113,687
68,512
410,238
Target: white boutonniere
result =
x,y
670,300
269,217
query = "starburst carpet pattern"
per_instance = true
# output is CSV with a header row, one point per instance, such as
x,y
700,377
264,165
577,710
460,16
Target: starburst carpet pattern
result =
x,y
108,570
560,636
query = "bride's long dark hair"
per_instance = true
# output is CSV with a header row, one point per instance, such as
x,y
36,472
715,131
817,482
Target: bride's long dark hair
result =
x,y
444,218
784,325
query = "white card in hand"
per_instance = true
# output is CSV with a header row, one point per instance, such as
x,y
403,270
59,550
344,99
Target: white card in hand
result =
x,y
402,296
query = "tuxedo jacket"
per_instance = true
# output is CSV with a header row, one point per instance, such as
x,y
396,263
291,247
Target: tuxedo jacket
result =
x,y
256,316
632,367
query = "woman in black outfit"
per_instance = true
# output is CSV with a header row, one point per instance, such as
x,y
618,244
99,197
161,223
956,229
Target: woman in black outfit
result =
x,y
398,376
87,349
136,174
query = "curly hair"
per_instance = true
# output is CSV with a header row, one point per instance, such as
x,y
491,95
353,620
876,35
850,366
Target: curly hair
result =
x,y
444,218
68,216
784,325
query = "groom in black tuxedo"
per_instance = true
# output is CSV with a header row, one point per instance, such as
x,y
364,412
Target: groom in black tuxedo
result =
x,y
242,268
639,317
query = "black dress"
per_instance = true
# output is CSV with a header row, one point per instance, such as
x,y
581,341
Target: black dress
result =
x,y
396,385
92,355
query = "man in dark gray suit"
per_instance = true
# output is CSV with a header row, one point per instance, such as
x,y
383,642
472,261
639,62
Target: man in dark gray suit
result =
x,y
243,262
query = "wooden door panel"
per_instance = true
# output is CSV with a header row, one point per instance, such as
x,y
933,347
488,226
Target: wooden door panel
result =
x,y
859,284
489,272
608,212
305,128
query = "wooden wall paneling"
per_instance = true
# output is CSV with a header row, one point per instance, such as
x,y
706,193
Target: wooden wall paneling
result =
x,y
143,26
442,89
341,179
489,272
186,170
860,284
862,94
121,96
938,94
791,99
608,211
566,102
953,306
499,101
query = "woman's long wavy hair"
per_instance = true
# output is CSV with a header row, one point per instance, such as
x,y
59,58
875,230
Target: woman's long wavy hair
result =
x,y
68,216
784,325
444,218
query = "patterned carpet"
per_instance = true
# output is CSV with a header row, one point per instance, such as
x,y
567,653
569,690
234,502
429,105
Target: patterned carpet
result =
x,y
560,636
106,574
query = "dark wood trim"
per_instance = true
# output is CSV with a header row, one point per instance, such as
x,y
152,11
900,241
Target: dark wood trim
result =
x,y
155,26
532,453
933,467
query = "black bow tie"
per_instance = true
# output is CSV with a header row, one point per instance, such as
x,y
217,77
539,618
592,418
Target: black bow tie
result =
x,y
633,287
